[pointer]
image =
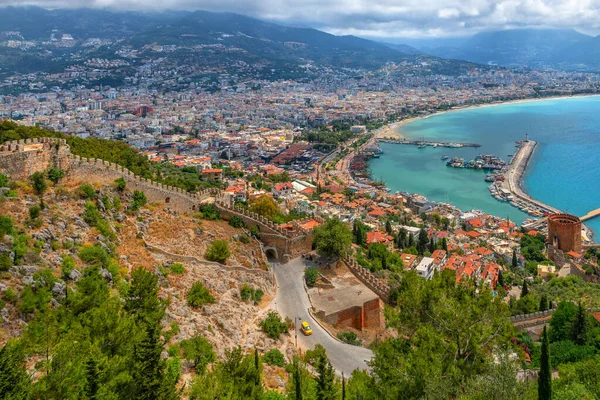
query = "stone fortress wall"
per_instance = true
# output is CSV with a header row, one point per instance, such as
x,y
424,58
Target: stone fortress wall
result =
x,y
19,159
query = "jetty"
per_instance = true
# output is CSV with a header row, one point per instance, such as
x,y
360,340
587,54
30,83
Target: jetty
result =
x,y
514,176
431,143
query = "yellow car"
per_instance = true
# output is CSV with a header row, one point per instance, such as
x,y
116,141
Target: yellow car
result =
x,y
306,329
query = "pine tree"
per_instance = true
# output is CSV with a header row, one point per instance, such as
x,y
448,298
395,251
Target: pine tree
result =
x,y
91,374
15,383
514,259
325,379
148,373
545,374
579,329
544,303
525,290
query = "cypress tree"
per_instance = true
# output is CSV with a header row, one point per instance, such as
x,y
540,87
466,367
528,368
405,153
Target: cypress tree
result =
x,y
91,375
514,259
432,245
500,279
411,240
325,379
544,303
545,374
343,387
525,290
388,227
257,367
579,329
297,380
444,244
423,241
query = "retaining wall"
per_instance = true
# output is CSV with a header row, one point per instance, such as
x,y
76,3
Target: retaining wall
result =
x,y
380,287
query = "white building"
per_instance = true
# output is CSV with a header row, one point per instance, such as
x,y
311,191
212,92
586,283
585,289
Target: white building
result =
x,y
426,268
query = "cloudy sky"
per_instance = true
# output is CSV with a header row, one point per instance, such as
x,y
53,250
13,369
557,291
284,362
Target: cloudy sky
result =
x,y
382,18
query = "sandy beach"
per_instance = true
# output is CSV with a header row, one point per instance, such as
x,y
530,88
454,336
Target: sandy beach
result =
x,y
394,131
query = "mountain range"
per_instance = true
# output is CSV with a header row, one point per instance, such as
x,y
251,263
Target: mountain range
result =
x,y
247,40
537,48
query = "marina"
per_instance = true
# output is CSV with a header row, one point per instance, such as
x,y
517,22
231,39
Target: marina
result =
x,y
429,143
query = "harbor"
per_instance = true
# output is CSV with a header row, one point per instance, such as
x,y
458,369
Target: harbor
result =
x,y
429,143
507,186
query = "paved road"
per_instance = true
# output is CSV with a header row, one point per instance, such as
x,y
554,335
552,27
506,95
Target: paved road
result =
x,y
292,301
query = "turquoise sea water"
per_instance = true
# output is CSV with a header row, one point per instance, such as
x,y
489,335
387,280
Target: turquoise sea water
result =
x,y
564,171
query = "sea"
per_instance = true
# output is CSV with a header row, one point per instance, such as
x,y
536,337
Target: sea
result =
x,y
564,171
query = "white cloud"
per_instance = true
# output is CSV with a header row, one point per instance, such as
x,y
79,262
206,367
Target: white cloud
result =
x,y
382,18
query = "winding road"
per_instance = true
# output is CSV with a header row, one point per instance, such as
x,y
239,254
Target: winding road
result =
x,y
292,301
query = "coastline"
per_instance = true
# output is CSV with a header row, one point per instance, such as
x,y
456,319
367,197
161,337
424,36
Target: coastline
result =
x,y
516,185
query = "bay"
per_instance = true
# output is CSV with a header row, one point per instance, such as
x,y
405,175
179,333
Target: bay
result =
x,y
564,171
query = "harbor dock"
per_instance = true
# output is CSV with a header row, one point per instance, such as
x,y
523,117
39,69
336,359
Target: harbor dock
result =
x,y
431,143
510,188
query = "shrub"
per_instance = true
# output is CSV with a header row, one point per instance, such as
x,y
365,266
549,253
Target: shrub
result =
x,y
3,180
117,203
10,295
87,191
199,351
6,226
236,222
218,251
121,184
247,292
139,199
177,268
5,262
91,215
310,276
254,231
55,174
274,357
350,338
38,182
273,326
209,211
199,295
67,265
95,256
244,239
34,212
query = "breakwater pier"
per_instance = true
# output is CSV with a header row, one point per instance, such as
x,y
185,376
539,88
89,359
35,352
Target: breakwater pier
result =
x,y
430,143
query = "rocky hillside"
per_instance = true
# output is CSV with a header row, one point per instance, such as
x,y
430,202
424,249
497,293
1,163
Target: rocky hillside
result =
x,y
51,238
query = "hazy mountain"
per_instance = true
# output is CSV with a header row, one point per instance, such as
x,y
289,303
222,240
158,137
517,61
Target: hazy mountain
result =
x,y
200,37
404,48
525,47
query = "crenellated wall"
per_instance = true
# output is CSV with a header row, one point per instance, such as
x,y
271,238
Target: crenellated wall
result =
x,y
380,287
19,159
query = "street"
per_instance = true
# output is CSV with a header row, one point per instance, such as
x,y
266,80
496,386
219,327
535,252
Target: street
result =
x,y
292,301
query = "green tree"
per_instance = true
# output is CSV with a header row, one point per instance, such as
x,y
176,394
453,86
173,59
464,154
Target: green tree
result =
x,y
388,227
38,182
524,289
6,226
500,279
561,321
15,383
142,296
273,326
265,206
326,389
149,372
236,222
514,259
333,238
200,352
359,232
34,212
580,326
274,357
545,374
310,276
199,295
544,302
423,241
121,184
402,240
92,379
218,251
